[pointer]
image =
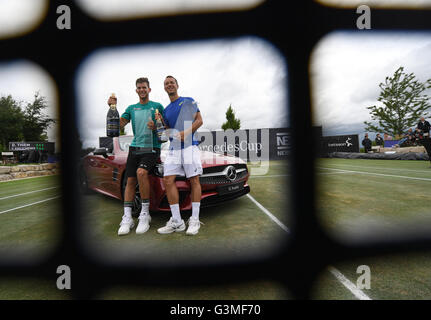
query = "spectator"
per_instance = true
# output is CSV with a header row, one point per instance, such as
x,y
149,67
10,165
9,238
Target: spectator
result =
x,y
23,156
387,137
423,135
425,127
379,140
419,134
366,143
407,138
412,137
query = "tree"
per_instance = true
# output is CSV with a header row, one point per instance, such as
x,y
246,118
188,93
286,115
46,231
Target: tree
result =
x,y
232,122
35,122
11,119
404,102
17,124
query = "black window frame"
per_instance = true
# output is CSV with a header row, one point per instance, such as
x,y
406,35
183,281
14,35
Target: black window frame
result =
x,y
294,30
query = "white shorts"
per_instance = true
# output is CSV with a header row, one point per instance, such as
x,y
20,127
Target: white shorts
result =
x,y
183,162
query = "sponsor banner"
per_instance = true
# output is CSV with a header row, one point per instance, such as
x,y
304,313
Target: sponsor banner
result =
x,y
48,147
248,144
390,143
280,143
346,143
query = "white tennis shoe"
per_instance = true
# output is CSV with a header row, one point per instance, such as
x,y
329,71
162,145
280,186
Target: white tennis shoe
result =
x,y
172,226
144,223
125,225
194,226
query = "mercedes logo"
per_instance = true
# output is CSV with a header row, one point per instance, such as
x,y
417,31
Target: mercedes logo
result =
x,y
231,173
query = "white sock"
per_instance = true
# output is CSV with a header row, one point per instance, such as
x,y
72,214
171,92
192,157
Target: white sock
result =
x,y
175,209
195,210
145,208
128,212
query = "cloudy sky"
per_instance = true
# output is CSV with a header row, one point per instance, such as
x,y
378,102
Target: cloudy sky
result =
x,y
378,3
347,67
247,73
20,16
114,9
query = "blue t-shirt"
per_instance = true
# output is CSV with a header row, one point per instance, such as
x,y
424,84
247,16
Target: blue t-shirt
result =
x,y
179,115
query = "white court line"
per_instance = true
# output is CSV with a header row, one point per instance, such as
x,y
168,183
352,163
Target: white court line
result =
x,y
383,168
326,173
348,284
30,204
269,214
288,175
358,293
21,194
377,174
19,179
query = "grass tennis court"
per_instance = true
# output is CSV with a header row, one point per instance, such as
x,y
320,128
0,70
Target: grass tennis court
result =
x,y
355,198
376,198
29,214
387,194
235,230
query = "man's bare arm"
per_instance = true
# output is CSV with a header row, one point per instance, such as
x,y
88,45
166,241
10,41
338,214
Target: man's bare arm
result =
x,y
197,123
123,122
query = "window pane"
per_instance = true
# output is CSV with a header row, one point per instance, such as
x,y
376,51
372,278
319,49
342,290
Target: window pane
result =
x,y
247,74
377,194
378,3
254,290
391,277
124,9
20,16
30,193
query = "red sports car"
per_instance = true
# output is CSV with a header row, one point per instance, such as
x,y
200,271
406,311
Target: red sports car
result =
x,y
224,177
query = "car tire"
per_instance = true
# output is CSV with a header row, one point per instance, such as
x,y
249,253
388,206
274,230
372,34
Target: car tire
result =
x,y
136,209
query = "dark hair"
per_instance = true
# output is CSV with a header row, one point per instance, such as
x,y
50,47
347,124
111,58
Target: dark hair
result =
x,y
143,80
173,78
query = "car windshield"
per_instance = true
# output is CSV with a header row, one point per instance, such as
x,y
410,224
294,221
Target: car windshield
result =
x,y
126,141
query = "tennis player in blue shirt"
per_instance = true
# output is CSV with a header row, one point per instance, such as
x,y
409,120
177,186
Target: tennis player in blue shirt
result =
x,y
183,118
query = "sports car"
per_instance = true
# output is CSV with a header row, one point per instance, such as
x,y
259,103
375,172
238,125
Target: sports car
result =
x,y
103,170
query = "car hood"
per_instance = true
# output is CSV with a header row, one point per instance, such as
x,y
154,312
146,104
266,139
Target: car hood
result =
x,y
209,159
